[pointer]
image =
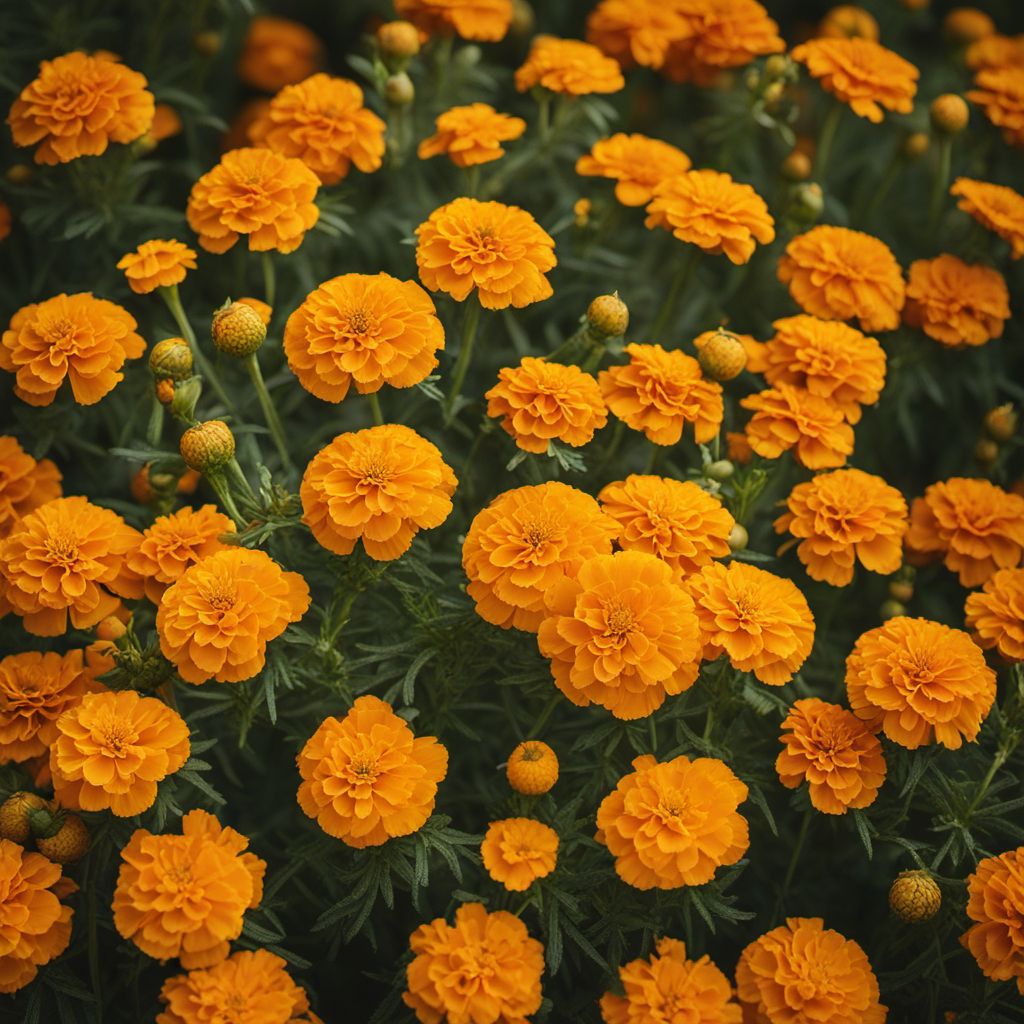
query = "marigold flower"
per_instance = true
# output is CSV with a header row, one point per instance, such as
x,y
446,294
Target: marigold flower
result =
x,y
185,895
760,621
166,124
673,823
996,614
803,971
995,207
25,484
847,21
525,542
660,391
532,768
636,162
995,51
839,274
277,52
78,105
485,967
956,303
254,192
381,486
368,328
920,682
78,337
471,135
668,984
482,20
1000,93
518,851
568,66
995,902
637,31
713,212
157,264
499,250
216,619
977,526
35,927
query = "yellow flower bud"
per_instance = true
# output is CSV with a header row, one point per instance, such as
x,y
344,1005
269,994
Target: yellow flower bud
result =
x,y
1001,422
399,39
238,330
949,114
797,166
722,357
532,768
171,358
738,538
208,446
608,315
399,90
915,896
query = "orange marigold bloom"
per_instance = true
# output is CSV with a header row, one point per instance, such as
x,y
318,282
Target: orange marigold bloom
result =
x,y
78,337
673,823
499,250
25,484
157,264
485,967
174,543
760,621
568,66
538,401
254,192
525,542
839,274
471,135
996,614
636,162
322,122
995,207
368,328
216,619
35,927
1000,93
482,20
78,105
67,558
827,358
803,971
956,303
113,748
668,984
278,52
834,752
995,51
366,778
660,391
185,895
637,31
920,682
166,124
674,519
255,984
518,851
847,21
995,902
713,212
381,486
622,634
844,517
977,526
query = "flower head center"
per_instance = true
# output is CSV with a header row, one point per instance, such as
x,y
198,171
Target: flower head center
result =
x,y
376,470
62,548
117,736
619,620
363,767
359,321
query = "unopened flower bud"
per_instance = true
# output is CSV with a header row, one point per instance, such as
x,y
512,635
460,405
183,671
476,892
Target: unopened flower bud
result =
x,y
915,896
208,446
797,166
523,19
773,93
965,25
916,145
777,65
738,538
608,315
19,174
722,357
399,41
207,43
238,330
1001,422
186,396
719,470
891,609
901,590
172,359
752,79
949,114
467,57
111,628
986,451
399,90
806,201
165,391
581,212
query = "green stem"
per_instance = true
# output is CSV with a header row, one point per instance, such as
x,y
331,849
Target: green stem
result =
x,y
223,492
941,182
797,848
1002,754
682,279
236,474
882,189
544,116
652,731
593,360
539,724
469,330
826,138
155,426
375,410
269,410
652,459
472,180
269,279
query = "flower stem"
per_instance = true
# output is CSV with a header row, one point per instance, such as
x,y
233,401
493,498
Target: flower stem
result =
x,y
682,279
220,486
826,138
545,715
472,180
941,182
544,116
155,426
797,848
269,410
469,329
269,279
378,416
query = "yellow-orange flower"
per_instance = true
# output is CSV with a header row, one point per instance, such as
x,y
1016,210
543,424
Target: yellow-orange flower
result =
x,y
760,621
25,484
255,984
277,52
78,105
524,543
568,66
1000,93
786,417
485,967
471,135
185,895
637,163
956,303
847,21
322,122
673,823
518,851
539,401
834,752
920,682
499,250
636,31
482,20
371,329
674,519
995,207
254,192
976,526
839,274
667,987
995,902
710,210
112,749
157,264
366,778
67,559
996,614
842,518
803,971
995,51
622,633
166,124
659,392
78,337
216,619
381,486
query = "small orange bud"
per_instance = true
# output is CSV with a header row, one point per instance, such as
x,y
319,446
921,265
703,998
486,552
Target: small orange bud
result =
x,y
722,357
208,446
848,22
523,19
608,315
238,330
915,896
14,816
986,451
797,166
1001,422
581,212
171,358
208,43
20,174
901,591
68,843
532,768
916,145
111,628
964,25
165,391
949,113
398,39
